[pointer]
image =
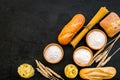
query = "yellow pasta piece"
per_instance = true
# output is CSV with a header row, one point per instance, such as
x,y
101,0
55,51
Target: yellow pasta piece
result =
x,y
98,16
26,70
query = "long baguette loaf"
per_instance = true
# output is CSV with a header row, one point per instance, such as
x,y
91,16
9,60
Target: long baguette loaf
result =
x,y
98,73
70,29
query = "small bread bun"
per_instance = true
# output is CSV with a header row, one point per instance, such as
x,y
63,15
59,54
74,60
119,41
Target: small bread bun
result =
x,y
53,53
71,71
96,39
71,29
26,70
111,24
83,56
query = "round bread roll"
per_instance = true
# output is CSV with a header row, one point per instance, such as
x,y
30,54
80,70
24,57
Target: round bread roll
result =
x,y
26,70
83,56
96,39
53,53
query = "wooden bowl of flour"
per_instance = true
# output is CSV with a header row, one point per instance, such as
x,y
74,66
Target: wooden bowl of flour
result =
x,y
53,53
96,39
83,56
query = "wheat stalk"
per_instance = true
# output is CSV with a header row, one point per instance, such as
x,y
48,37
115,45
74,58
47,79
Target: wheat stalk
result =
x,y
47,72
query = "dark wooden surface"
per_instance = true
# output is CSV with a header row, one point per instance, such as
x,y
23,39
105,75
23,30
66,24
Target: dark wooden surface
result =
x,y
27,26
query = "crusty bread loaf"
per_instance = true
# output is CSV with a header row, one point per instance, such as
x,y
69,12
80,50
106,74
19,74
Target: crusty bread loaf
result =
x,y
70,29
111,24
98,73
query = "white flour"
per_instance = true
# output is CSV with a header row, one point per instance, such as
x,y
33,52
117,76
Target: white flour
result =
x,y
96,39
82,56
53,54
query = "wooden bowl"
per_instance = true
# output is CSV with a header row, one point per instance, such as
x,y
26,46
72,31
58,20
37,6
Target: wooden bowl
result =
x,y
53,53
83,56
96,39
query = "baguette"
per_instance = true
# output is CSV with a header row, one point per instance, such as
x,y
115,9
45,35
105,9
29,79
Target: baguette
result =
x,y
98,73
70,29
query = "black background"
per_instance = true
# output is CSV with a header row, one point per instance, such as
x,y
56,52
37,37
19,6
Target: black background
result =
x,y
27,26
